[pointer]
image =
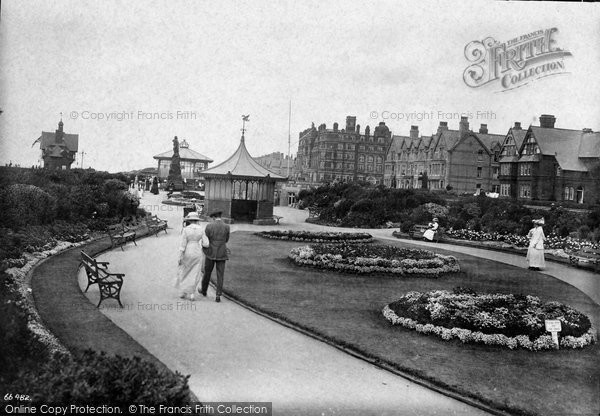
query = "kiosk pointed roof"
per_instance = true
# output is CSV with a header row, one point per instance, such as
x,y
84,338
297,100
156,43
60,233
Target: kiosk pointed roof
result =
x,y
241,164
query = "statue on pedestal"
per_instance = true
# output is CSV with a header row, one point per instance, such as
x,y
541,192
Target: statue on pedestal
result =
x,y
175,180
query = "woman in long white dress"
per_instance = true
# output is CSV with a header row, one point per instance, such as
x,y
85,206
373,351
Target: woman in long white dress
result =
x,y
191,257
431,230
535,252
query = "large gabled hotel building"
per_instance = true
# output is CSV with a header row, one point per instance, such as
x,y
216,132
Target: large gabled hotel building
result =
x,y
327,155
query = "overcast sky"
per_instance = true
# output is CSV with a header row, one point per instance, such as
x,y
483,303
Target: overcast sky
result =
x,y
218,60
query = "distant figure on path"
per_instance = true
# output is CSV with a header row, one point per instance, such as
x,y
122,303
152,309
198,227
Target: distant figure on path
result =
x,y
191,257
154,188
216,254
431,230
535,252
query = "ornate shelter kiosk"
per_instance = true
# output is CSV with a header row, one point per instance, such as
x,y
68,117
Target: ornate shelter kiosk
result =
x,y
241,188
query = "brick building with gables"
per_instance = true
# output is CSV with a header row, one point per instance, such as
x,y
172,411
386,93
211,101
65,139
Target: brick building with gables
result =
x,y
551,164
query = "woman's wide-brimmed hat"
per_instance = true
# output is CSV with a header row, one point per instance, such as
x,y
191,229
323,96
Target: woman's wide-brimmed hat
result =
x,y
435,219
539,221
192,216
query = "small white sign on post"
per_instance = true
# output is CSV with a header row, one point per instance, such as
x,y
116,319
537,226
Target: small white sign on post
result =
x,y
553,326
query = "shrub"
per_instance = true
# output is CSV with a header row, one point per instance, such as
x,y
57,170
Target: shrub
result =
x,y
26,204
14,337
97,378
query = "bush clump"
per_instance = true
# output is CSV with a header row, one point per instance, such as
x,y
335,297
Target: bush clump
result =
x,y
93,378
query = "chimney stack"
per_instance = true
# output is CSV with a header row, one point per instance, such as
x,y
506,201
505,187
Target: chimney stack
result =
x,y
517,125
367,131
587,130
350,124
414,132
547,121
335,126
358,128
483,129
443,126
463,126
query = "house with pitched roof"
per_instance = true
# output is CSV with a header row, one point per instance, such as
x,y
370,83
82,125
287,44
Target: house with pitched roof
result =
x,y
556,164
461,160
58,148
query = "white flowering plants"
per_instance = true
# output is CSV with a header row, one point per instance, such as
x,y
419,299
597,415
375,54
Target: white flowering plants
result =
x,y
379,258
511,321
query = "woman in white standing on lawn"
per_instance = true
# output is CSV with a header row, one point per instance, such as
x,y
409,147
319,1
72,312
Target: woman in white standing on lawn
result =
x,y
191,257
535,252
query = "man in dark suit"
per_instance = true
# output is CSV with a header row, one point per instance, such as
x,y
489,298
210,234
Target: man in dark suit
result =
x,y
216,254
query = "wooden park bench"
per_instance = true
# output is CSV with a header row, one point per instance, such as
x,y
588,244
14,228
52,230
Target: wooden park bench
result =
x,y
277,218
109,284
120,234
155,225
417,230
585,255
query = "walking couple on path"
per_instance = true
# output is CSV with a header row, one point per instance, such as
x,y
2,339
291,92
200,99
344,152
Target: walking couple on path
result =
x,y
201,250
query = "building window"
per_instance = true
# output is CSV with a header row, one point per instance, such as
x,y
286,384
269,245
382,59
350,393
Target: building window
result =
x,y
525,191
480,155
361,158
525,169
495,172
370,159
531,147
505,189
505,169
569,193
479,170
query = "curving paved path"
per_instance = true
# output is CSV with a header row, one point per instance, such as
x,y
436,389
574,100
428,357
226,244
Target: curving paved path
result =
x,y
233,354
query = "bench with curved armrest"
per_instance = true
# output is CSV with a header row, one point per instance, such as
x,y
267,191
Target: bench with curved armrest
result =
x,y
120,234
109,284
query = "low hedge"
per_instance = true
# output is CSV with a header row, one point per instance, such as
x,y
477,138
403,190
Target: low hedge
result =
x,y
319,237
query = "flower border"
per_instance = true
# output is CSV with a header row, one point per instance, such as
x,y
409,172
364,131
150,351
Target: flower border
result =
x,y
315,239
22,285
305,256
543,342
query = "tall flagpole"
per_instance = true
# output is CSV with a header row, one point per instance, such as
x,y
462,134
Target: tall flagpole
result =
x,y
289,138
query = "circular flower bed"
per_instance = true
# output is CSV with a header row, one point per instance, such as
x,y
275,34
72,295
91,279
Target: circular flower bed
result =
x,y
317,237
495,319
363,259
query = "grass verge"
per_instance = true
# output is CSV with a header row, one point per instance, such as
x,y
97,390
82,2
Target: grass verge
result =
x,y
346,310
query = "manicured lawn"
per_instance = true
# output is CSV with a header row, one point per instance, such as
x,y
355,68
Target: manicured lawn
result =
x,y
346,309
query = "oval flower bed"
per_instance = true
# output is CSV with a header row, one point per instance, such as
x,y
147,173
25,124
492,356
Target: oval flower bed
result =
x,y
363,259
495,319
317,236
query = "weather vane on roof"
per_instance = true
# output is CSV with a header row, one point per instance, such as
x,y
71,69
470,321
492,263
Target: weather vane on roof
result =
x,y
244,119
